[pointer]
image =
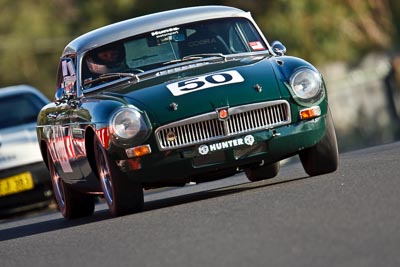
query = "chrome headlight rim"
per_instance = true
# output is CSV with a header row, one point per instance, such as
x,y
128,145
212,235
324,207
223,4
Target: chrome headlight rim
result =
x,y
306,85
128,125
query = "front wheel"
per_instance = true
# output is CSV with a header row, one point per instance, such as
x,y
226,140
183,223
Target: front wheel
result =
x,y
123,196
72,204
324,156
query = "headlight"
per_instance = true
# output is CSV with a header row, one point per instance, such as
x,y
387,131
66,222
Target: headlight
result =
x,y
127,123
306,84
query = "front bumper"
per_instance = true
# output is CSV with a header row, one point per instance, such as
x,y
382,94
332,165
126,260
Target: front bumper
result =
x,y
231,154
39,196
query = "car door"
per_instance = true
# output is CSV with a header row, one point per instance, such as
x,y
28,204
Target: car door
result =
x,y
61,143
74,119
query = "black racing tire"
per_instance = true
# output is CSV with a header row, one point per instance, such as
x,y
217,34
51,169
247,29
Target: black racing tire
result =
x,y
123,196
262,172
72,204
324,156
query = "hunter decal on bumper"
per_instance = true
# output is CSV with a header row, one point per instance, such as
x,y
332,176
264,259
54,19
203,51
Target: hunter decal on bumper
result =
x,y
247,140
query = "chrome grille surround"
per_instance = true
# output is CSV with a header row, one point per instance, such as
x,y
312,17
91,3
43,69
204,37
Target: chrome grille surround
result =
x,y
208,128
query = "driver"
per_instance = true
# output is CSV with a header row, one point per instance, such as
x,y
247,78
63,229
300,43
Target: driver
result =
x,y
107,59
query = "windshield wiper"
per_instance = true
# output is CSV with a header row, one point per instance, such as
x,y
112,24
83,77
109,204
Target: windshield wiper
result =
x,y
113,75
194,57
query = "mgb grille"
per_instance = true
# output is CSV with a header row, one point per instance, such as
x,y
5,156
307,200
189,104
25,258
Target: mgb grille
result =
x,y
209,127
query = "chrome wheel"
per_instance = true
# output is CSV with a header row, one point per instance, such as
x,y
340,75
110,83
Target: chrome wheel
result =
x,y
57,183
104,175
122,194
324,156
58,189
71,203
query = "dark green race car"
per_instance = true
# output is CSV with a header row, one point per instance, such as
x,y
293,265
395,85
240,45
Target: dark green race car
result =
x,y
187,95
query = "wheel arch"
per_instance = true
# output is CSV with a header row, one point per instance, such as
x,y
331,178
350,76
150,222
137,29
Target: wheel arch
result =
x,y
89,147
43,150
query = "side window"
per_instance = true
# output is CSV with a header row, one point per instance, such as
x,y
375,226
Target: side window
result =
x,y
67,76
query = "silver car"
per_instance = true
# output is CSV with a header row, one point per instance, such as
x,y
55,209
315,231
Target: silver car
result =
x,y
24,180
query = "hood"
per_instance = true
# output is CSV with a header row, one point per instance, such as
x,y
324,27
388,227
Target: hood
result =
x,y
19,146
204,89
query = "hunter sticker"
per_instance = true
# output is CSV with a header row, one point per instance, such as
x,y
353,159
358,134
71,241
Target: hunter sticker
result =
x,y
247,140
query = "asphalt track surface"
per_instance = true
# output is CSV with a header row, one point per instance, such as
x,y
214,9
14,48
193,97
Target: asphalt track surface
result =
x,y
347,218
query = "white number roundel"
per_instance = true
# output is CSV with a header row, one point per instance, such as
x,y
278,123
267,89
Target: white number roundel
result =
x,y
204,82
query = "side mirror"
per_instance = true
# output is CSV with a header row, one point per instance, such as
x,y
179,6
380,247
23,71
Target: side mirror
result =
x,y
278,48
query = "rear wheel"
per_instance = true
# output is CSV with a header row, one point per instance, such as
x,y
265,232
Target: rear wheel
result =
x,y
324,156
263,172
122,195
72,204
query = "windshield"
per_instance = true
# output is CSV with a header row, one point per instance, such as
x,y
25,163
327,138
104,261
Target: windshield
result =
x,y
19,109
167,46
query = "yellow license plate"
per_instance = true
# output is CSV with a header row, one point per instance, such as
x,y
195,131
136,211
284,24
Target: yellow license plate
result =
x,y
15,184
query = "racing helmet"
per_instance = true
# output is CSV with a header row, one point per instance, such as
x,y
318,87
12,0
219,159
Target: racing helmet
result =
x,y
106,59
